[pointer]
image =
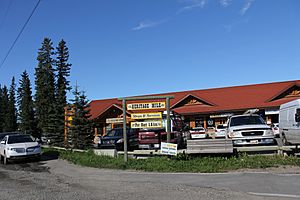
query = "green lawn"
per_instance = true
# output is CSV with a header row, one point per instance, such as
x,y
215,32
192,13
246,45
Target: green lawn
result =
x,y
181,163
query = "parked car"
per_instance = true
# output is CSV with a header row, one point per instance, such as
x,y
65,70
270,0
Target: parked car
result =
x,y
275,128
114,139
249,129
198,133
19,146
151,138
289,122
221,130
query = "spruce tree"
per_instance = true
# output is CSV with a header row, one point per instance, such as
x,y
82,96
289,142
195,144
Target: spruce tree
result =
x,y
4,107
11,118
45,90
62,86
1,110
26,109
80,133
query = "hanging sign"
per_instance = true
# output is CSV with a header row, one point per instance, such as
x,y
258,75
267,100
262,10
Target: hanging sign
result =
x,y
145,106
115,120
154,115
149,124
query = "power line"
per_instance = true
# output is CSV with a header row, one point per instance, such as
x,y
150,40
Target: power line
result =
x,y
21,31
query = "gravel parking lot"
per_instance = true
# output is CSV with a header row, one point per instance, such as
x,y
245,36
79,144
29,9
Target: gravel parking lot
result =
x,y
58,179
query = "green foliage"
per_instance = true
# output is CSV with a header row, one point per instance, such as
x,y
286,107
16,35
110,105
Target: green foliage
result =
x,y
45,89
5,110
27,123
80,133
1,110
164,164
62,86
11,116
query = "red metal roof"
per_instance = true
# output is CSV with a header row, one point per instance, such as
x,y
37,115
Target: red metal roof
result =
x,y
219,99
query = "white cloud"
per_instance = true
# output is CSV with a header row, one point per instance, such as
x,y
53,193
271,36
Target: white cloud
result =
x,y
246,7
148,24
195,4
225,3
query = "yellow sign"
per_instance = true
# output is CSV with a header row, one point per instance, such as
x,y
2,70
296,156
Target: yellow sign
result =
x,y
150,124
154,115
145,106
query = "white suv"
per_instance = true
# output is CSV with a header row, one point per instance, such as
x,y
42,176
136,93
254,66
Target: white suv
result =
x,y
19,146
249,129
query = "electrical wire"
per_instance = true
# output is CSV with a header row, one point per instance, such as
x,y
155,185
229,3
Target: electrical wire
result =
x,y
21,31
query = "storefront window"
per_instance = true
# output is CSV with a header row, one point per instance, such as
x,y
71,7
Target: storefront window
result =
x,y
199,122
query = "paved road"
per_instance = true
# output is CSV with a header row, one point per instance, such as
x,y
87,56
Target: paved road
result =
x,y
57,179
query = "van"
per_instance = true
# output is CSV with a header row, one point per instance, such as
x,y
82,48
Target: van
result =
x,y
289,122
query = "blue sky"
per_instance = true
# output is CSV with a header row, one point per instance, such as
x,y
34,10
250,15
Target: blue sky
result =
x,y
132,47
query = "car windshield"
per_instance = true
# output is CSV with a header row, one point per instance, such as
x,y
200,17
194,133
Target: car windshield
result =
x,y
220,127
246,120
19,139
115,133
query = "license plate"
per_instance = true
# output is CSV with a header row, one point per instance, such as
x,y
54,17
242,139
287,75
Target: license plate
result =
x,y
254,141
156,145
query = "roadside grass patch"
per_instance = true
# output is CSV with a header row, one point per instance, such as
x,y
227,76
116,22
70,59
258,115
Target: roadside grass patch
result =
x,y
203,164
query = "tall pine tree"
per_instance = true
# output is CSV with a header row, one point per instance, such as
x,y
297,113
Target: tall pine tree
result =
x,y
62,86
26,109
45,90
80,133
4,106
1,110
11,118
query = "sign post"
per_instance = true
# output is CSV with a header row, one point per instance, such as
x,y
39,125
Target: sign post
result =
x,y
142,106
125,131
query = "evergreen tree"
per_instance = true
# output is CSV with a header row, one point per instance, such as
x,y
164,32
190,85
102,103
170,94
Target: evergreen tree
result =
x,y
80,133
1,110
26,109
11,118
45,90
4,107
62,86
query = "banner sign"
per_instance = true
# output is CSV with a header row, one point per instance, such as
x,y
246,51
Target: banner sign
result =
x,y
145,106
114,120
154,115
149,124
168,148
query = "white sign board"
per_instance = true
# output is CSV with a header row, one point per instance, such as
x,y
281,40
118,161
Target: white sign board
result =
x,y
146,106
115,120
150,124
168,148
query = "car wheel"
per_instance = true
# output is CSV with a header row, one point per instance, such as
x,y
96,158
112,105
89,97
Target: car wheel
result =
x,y
5,160
284,140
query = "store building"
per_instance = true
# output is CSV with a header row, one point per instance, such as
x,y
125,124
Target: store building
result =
x,y
208,107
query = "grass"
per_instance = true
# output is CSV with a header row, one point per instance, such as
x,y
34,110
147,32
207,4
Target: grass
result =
x,y
181,163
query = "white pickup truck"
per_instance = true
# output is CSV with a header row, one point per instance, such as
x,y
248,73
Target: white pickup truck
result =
x,y
249,129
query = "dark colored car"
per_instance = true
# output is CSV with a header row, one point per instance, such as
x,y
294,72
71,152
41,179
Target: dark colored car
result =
x,y
151,138
114,139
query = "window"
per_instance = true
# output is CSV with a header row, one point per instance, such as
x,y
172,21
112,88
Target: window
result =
x,y
246,120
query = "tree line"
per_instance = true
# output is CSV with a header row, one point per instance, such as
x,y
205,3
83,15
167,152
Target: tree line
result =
x,y
43,113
